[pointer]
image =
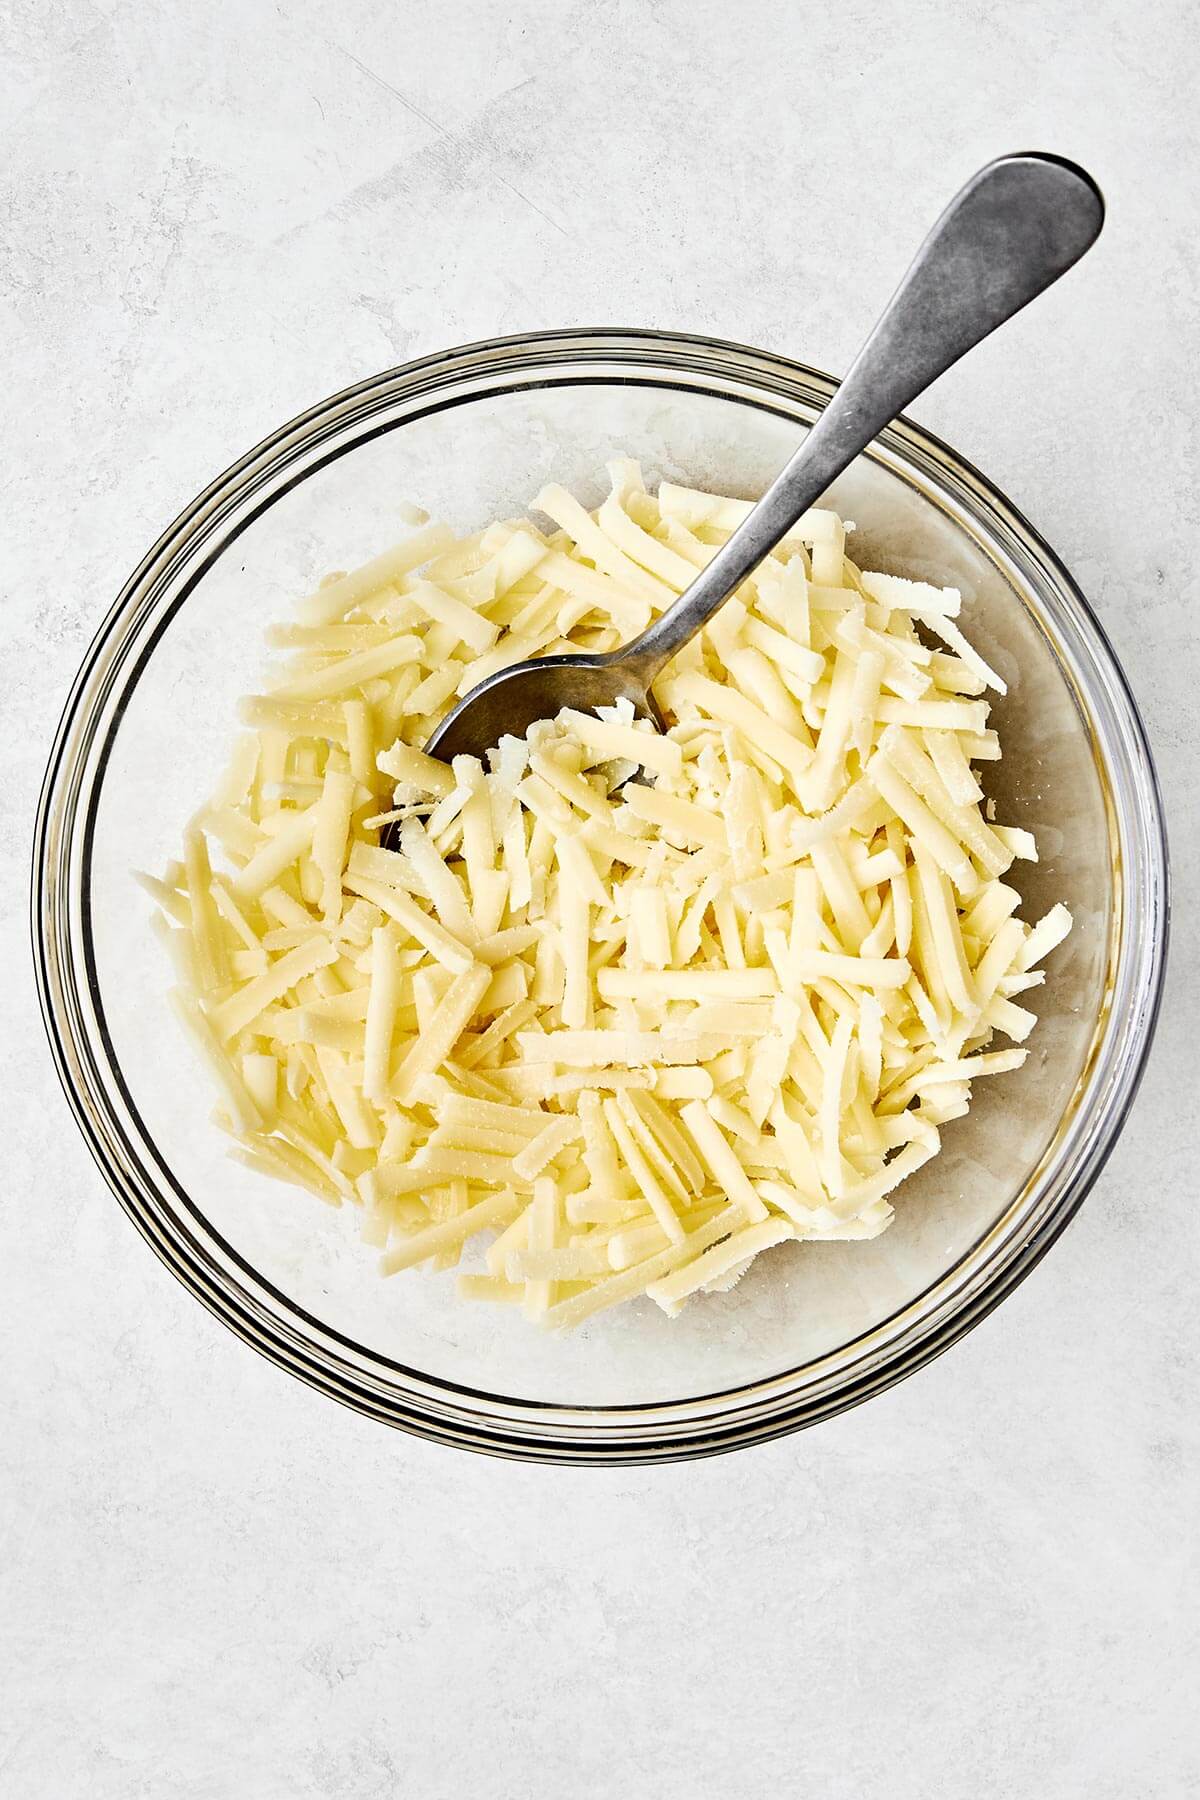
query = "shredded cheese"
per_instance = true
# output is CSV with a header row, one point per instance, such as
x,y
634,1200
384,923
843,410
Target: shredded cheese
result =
x,y
635,1032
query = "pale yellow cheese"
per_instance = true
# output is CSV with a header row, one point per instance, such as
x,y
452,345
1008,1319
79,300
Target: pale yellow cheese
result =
x,y
643,1028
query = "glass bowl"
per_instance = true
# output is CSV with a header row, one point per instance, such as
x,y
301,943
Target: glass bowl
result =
x,y
472,435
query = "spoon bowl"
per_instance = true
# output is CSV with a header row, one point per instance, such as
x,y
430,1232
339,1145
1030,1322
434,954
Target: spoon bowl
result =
x,y
507,703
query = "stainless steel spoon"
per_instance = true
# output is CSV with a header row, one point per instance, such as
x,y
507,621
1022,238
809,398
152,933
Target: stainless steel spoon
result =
x,y
1013,229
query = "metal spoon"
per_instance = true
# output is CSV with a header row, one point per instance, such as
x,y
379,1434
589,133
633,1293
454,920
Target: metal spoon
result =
x,y
1013,229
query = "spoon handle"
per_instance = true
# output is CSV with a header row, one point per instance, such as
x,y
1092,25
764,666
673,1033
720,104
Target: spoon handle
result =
x,y
1013,229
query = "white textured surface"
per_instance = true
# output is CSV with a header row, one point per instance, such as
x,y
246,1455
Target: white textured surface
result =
x,y
212,1582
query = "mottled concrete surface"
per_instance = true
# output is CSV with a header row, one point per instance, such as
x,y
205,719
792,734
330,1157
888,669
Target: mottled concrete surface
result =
x,y
213,1582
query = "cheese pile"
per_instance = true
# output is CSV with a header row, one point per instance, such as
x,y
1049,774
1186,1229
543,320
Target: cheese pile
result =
x,y
632,1006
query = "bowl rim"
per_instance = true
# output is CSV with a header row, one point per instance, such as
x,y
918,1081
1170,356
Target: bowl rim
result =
x,y
437,1408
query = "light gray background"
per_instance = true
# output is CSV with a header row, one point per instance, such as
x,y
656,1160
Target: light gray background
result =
x,y
212,1582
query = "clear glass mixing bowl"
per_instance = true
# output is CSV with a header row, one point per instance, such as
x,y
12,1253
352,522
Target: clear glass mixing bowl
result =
x,y
472,435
